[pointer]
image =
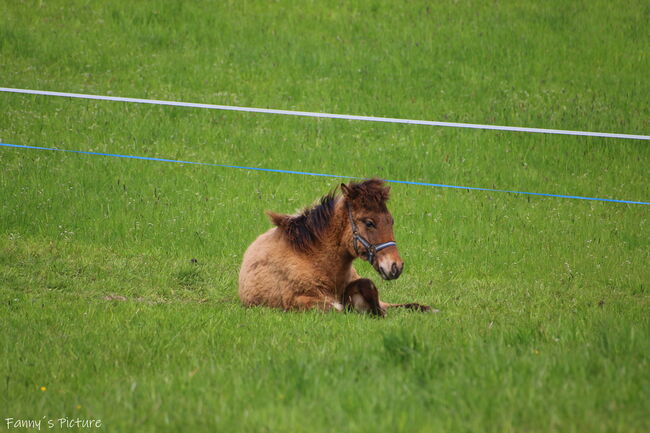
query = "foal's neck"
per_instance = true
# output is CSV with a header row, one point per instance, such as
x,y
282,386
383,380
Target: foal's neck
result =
x,y
333,253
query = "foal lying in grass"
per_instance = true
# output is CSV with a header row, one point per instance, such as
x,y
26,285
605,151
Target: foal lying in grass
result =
x,y
306,260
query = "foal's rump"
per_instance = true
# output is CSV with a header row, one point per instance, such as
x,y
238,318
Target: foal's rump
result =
x,y
256,285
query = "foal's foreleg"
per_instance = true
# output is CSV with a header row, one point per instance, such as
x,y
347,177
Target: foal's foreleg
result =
x,y
411,306
361,295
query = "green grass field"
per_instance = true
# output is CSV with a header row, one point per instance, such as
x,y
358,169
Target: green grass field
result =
x,y
118,278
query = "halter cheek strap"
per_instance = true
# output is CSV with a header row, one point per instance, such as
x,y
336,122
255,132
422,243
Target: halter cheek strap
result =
x,y
371,249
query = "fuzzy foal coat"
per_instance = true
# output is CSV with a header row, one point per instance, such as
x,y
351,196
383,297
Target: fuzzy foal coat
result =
x,y
303,262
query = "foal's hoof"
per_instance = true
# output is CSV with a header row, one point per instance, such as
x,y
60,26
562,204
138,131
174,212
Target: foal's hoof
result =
x,y
421,308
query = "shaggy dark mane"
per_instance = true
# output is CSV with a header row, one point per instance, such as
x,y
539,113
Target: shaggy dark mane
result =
x,y
305,229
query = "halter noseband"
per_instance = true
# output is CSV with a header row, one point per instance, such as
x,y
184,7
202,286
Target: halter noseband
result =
x,y
371,249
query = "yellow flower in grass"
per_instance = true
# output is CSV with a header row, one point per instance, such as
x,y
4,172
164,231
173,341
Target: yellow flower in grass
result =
x,y
43,388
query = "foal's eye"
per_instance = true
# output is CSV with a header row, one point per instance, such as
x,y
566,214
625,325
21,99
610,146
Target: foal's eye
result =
x,y
370,224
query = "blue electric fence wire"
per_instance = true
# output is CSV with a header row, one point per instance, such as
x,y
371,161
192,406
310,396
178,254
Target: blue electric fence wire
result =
x,y
306,173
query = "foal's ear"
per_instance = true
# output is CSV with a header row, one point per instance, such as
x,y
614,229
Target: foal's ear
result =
x,y
345,189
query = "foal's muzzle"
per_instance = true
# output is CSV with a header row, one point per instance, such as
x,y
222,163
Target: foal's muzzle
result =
x,y
388,268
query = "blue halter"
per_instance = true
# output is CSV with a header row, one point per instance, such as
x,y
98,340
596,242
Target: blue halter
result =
x,y
371,249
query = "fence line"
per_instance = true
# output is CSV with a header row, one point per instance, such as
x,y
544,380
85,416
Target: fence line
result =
x,y
272,170
327,115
